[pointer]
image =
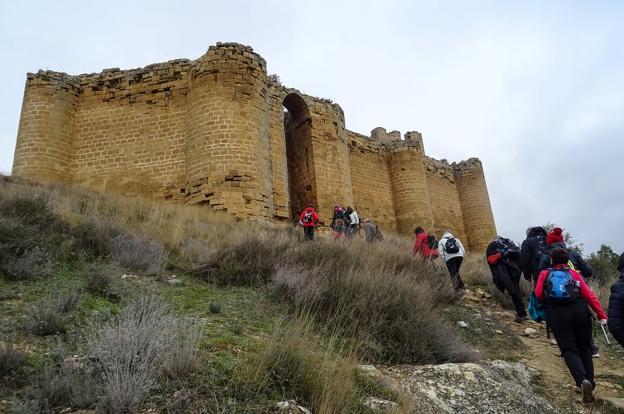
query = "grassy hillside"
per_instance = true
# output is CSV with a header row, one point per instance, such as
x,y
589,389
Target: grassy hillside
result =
x,y
121,305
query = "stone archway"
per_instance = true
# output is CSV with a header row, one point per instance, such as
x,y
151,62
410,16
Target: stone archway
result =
x,y
298,136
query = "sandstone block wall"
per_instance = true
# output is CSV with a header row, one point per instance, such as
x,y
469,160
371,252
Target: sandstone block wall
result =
x,y
220,132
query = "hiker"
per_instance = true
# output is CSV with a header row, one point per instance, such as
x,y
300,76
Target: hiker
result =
x,y
452,251
503,258
530,252
372,232
555,240
354,222
425,244
340,230
566,296
340,214
308,220
616,305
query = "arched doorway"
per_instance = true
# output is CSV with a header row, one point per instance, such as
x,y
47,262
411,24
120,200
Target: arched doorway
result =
x,y
297,131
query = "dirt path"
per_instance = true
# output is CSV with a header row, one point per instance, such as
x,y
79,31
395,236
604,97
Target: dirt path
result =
x,y
543,355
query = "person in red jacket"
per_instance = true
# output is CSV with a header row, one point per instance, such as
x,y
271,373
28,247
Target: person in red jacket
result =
x,y
569,318
308,220
421,246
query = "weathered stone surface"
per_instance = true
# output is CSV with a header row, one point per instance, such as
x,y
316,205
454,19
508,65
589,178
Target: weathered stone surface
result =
x,y
490,387
213,132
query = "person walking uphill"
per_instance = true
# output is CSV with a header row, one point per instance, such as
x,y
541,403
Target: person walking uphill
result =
x,y
425,245
502,257
452,251
616,305
530,252
566,296
308,220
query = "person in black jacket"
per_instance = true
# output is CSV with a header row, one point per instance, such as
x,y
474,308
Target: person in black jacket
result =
x,y
530,252
616,305
502,256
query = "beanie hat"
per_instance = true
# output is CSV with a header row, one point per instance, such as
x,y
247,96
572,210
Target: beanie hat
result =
x,y
555,236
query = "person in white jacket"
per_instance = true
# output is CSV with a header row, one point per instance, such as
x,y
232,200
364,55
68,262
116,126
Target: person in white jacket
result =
x,y
452,251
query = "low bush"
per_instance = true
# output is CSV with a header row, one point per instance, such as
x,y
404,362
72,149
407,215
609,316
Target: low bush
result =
x,y
11,359
101,281
48,318
133,348
28,265
66,386
139,253
393,314
181,357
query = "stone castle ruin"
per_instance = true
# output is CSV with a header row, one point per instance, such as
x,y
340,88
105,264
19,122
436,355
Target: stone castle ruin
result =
x,y
219,131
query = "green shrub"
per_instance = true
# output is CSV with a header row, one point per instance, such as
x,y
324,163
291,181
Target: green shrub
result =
x,y
214,307
48,318
11,360
29,265
101,281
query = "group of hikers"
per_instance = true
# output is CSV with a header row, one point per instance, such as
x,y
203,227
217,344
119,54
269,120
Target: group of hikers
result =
x,y
561,297
345,224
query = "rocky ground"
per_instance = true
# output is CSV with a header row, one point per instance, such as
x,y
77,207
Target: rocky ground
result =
x,y
543,357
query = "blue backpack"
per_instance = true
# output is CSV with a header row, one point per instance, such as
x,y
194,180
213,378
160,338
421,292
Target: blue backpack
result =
x,y
537,310
560,286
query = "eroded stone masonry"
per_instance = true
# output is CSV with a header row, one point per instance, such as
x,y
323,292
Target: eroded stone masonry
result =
x,y
219,131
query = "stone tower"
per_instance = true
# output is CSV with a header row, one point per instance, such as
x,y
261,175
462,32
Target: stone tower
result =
x,y
219,131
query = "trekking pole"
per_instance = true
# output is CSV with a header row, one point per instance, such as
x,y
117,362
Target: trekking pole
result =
x,y
604,331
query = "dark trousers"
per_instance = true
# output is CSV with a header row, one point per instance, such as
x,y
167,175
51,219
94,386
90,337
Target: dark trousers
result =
x,y
507,279
453,264
572,327
308,233
619,336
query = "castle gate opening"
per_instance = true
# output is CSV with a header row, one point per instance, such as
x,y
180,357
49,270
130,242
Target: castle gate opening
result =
x,y
298,135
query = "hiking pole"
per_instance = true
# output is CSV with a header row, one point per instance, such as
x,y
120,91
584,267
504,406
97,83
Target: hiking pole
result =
x,y
604,331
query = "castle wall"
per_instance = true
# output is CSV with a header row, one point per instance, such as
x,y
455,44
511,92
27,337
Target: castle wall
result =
x,y
131,129
47,126
214,131
475,201
445,204
372,188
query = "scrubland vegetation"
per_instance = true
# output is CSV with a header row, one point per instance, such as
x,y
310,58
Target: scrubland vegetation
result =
x,y
121,304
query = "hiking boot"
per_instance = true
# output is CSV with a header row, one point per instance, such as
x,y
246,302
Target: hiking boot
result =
x,y
595,353
520,319
587,389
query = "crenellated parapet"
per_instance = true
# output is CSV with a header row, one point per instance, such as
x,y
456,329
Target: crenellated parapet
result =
x,y
219,131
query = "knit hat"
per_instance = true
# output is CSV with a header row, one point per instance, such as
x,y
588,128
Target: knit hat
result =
x,y
555,236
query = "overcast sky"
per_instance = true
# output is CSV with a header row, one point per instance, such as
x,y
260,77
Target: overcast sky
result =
x,y
535,89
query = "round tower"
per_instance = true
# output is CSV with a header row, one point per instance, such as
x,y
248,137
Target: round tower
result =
x,y
475,203
46,128
228,149
409,188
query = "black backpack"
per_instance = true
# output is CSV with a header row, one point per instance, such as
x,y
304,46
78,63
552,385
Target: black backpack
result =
x,y
451,245
307,217
432,242
508,249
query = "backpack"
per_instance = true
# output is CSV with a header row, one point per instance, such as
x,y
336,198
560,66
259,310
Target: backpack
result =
x,y
560,287
432,242
508,249
307,217
451,245
543,254
537,310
